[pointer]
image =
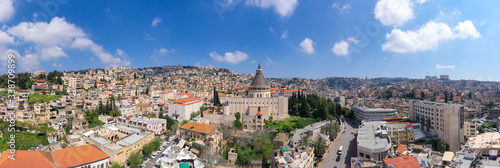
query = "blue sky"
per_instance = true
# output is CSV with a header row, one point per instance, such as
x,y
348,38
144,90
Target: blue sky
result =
x,y
290,38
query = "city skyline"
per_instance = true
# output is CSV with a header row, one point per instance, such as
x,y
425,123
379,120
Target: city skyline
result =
x,y
289,38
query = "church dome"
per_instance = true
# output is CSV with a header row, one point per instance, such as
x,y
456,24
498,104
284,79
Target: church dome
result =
x,y
259,82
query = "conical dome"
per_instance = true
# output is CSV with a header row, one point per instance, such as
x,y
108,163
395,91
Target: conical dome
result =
x,y
259,81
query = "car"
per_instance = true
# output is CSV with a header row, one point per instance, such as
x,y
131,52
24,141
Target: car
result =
x,y
352,132
158,161
142,166
338,158
154,155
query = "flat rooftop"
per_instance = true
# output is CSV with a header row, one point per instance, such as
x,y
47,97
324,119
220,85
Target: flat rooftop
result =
x,y
369,137
489,140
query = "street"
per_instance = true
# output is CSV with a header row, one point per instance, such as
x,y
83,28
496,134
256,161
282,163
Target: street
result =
x,y
345,140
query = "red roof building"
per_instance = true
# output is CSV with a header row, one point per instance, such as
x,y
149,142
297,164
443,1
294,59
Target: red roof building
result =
x,y
403,162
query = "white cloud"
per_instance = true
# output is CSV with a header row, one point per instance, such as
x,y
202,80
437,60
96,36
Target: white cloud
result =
x,y
156,20
165,51
394,12
445,66
51,38
229,57
466,29
271,61
53,52
6,10
284,34
421,1
56,32
341,48
427,37
354,40
253,62
342,9
57,65
271,30
307,46
284,8
28,62
106,58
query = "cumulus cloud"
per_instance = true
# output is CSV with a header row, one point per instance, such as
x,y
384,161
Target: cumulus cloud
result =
x,y
53,52
341,48
427,37
230,57
6,10
155,22
284,8
307,46
284,34
50,39
394,12
271,61
445,66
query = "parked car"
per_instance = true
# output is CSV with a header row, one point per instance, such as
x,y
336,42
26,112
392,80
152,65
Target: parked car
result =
x,y
338,158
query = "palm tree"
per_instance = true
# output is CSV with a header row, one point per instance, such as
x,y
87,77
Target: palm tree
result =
x,y
319,146
304,141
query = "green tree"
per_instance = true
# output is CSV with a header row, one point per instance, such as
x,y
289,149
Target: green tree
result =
x,y
304,141
319,146
67,128
442,146
238,124
184,122
237,115
262,146
270,118
135,159
115,165
446,96
216,98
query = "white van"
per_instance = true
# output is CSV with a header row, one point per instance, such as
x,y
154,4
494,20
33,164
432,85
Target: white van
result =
x,y
339,152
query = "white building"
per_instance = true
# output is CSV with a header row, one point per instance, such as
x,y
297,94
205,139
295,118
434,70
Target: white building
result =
x,y
181,109
258,106
364,113
373,141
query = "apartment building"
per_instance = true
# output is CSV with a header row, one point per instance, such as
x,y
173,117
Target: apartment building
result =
x,y
118,142
156,125
469,129
365,113
444,120
182,108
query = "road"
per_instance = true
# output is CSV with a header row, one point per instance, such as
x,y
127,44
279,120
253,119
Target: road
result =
x,y
151,163
345,140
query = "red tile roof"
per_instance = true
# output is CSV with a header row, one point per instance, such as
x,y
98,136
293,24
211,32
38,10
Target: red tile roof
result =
x,y
76,156
400,148
24,158
403,162
198,127
130,116
184,101
68,157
